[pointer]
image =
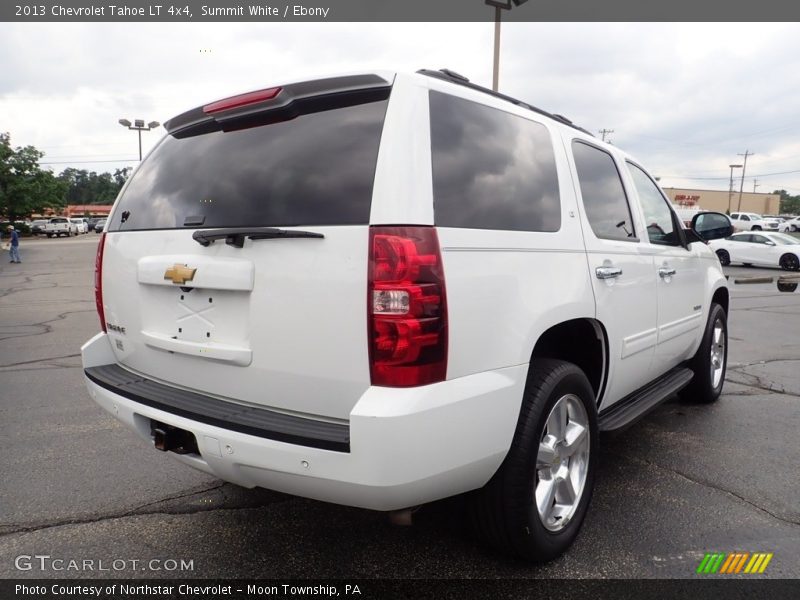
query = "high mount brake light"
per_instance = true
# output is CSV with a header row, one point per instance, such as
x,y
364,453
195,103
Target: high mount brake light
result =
x,y
241,100
407,310
98,281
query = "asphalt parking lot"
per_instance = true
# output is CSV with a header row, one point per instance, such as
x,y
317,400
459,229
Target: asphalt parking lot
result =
x,y
77,485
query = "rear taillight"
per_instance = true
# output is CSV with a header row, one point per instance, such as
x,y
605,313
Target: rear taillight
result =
x,y
407,310
241,100
98,281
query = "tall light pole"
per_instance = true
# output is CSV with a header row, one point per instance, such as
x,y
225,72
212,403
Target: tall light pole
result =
x,y
730,190
138,125
499,5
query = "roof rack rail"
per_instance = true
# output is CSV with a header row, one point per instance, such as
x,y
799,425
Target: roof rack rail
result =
x,y
453,77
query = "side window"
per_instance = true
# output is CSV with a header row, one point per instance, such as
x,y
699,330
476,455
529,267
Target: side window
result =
x,y
758,239
735,216
657,213
491,169
604,197
745,218
740,238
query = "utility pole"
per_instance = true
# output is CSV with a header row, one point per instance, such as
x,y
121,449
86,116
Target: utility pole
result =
x,y
605,132
730,190
744,168
755,185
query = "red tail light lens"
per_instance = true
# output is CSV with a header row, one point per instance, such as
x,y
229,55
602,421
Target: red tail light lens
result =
x,y
98,281
241,100
406,307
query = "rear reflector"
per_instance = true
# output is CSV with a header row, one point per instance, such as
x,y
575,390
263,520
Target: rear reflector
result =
x,y
98,281
241,100
407,311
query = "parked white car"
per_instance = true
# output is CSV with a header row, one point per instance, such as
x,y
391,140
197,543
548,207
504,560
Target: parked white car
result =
x,y
790,225
524,285
743,221
80,225
762,249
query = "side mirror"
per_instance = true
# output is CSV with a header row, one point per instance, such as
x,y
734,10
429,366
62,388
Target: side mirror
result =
x,y
711,226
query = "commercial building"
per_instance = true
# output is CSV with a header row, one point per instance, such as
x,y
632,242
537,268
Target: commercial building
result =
x,y
725,201
83,210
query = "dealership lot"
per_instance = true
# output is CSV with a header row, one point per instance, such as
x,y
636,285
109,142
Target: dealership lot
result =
x,y
78,486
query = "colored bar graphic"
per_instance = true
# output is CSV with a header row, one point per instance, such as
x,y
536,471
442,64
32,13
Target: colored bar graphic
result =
x,y
718,562
730,563
740,564
767,558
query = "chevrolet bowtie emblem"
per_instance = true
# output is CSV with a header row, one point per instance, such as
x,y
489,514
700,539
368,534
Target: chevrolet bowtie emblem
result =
x,y
179,274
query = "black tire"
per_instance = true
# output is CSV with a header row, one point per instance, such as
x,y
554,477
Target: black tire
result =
x,y
504,512
49,235
793,228
756,228
724,257
747,264
702,389
790,262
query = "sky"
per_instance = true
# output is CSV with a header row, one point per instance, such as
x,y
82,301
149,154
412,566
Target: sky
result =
x,y
684,99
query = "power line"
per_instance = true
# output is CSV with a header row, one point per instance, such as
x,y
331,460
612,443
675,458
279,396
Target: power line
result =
x,y
75,162
604,132
725,178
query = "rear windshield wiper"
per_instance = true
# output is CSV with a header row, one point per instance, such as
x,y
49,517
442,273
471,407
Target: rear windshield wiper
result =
x,y
235,237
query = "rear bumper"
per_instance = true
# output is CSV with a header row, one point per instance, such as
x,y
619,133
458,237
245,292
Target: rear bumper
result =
x,y
406,446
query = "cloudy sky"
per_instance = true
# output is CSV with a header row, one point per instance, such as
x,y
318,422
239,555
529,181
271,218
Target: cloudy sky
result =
x,y
685,99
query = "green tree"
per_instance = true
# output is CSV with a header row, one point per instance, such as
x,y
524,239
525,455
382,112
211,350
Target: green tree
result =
x,y
26,188
84,187
790,205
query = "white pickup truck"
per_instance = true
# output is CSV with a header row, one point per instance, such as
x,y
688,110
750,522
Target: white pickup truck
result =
x,y
58,226
753,222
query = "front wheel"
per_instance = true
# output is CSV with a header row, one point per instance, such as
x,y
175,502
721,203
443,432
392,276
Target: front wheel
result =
x,y
711,360
724,257
790,262
756,228
534,505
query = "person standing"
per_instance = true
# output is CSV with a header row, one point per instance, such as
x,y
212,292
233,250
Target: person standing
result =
x,y
14,246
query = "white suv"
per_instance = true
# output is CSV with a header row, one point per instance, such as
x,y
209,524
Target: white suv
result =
x,y
385,289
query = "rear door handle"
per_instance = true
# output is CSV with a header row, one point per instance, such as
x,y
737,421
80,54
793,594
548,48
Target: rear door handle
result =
x,y
608,272
666,272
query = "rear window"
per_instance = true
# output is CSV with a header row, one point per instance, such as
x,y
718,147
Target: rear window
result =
x,y
491,169
316,169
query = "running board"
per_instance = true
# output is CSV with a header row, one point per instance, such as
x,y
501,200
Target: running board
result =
x,y
633,407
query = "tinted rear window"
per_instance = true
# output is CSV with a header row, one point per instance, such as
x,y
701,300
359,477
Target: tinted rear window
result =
x,y
316,169
491,169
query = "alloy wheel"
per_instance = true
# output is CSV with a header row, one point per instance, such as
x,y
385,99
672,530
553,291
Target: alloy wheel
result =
x,y
562,463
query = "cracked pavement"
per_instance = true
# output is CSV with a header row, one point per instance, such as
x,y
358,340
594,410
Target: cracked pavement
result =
x,y
684,481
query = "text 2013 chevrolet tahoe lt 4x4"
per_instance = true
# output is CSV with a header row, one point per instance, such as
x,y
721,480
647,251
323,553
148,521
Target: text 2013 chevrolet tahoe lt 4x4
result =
x,y
385,289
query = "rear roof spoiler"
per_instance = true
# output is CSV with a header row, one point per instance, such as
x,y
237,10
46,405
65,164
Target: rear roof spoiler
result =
x,y
292,100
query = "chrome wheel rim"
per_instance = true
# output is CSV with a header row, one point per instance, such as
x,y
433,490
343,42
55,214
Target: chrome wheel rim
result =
x,y
717,353
562,463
